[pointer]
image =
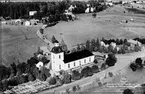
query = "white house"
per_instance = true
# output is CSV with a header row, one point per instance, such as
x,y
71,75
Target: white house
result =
x,y
39,65
31,13
62,61
134,42
87,10
27,23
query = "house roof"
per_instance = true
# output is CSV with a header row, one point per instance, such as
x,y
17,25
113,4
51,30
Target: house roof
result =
x,y
76,56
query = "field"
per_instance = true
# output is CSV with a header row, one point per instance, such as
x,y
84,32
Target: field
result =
x,y
15,46
108,24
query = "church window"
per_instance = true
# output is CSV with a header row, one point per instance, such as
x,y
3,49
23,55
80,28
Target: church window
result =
x,y
59,66
89,59
59,56
68,65
80,63
84,60
74,64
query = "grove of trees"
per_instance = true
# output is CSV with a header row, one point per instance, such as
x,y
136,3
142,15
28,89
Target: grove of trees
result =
x,y
137,64
22,73
52,9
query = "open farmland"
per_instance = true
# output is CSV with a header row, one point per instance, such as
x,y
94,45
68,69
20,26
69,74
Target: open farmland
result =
x,y
107,24
15,46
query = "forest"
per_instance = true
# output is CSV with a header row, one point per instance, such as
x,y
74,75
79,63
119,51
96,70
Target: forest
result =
x,y
21,9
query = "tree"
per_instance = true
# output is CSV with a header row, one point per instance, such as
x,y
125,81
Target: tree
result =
x,y
95,61
73,50
5,84
78,47
83,47
74,88
21,67
94,15
111,60
103,66
93,44
133,66
4,72
42,76
41,31
138,62
110,74
53,40
127,91
143,87
39,51
137,48
63,46
95,69
32,61
88,45
44,73
13,68
21,79
86,72
13,81
76,75
110,48
98,43
52,81
125,41
117,41
65,77
31,77
1,86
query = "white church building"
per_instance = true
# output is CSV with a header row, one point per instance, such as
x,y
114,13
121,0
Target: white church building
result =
x,y
61,61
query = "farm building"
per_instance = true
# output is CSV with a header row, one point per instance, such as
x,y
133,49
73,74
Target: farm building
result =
x,y
61,61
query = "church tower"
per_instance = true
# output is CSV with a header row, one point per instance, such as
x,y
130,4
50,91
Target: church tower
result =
x,y
57,57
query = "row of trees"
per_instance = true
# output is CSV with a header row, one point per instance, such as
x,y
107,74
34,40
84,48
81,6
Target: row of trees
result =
x,y
23,72
21,9
122,46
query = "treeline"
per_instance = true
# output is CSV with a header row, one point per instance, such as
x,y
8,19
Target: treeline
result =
x,y
23,72
21,9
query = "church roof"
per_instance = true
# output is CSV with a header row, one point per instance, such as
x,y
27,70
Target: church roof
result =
x,y
76,56
57,49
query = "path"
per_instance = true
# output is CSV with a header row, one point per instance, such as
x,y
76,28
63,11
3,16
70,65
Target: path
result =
x,y
44,38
